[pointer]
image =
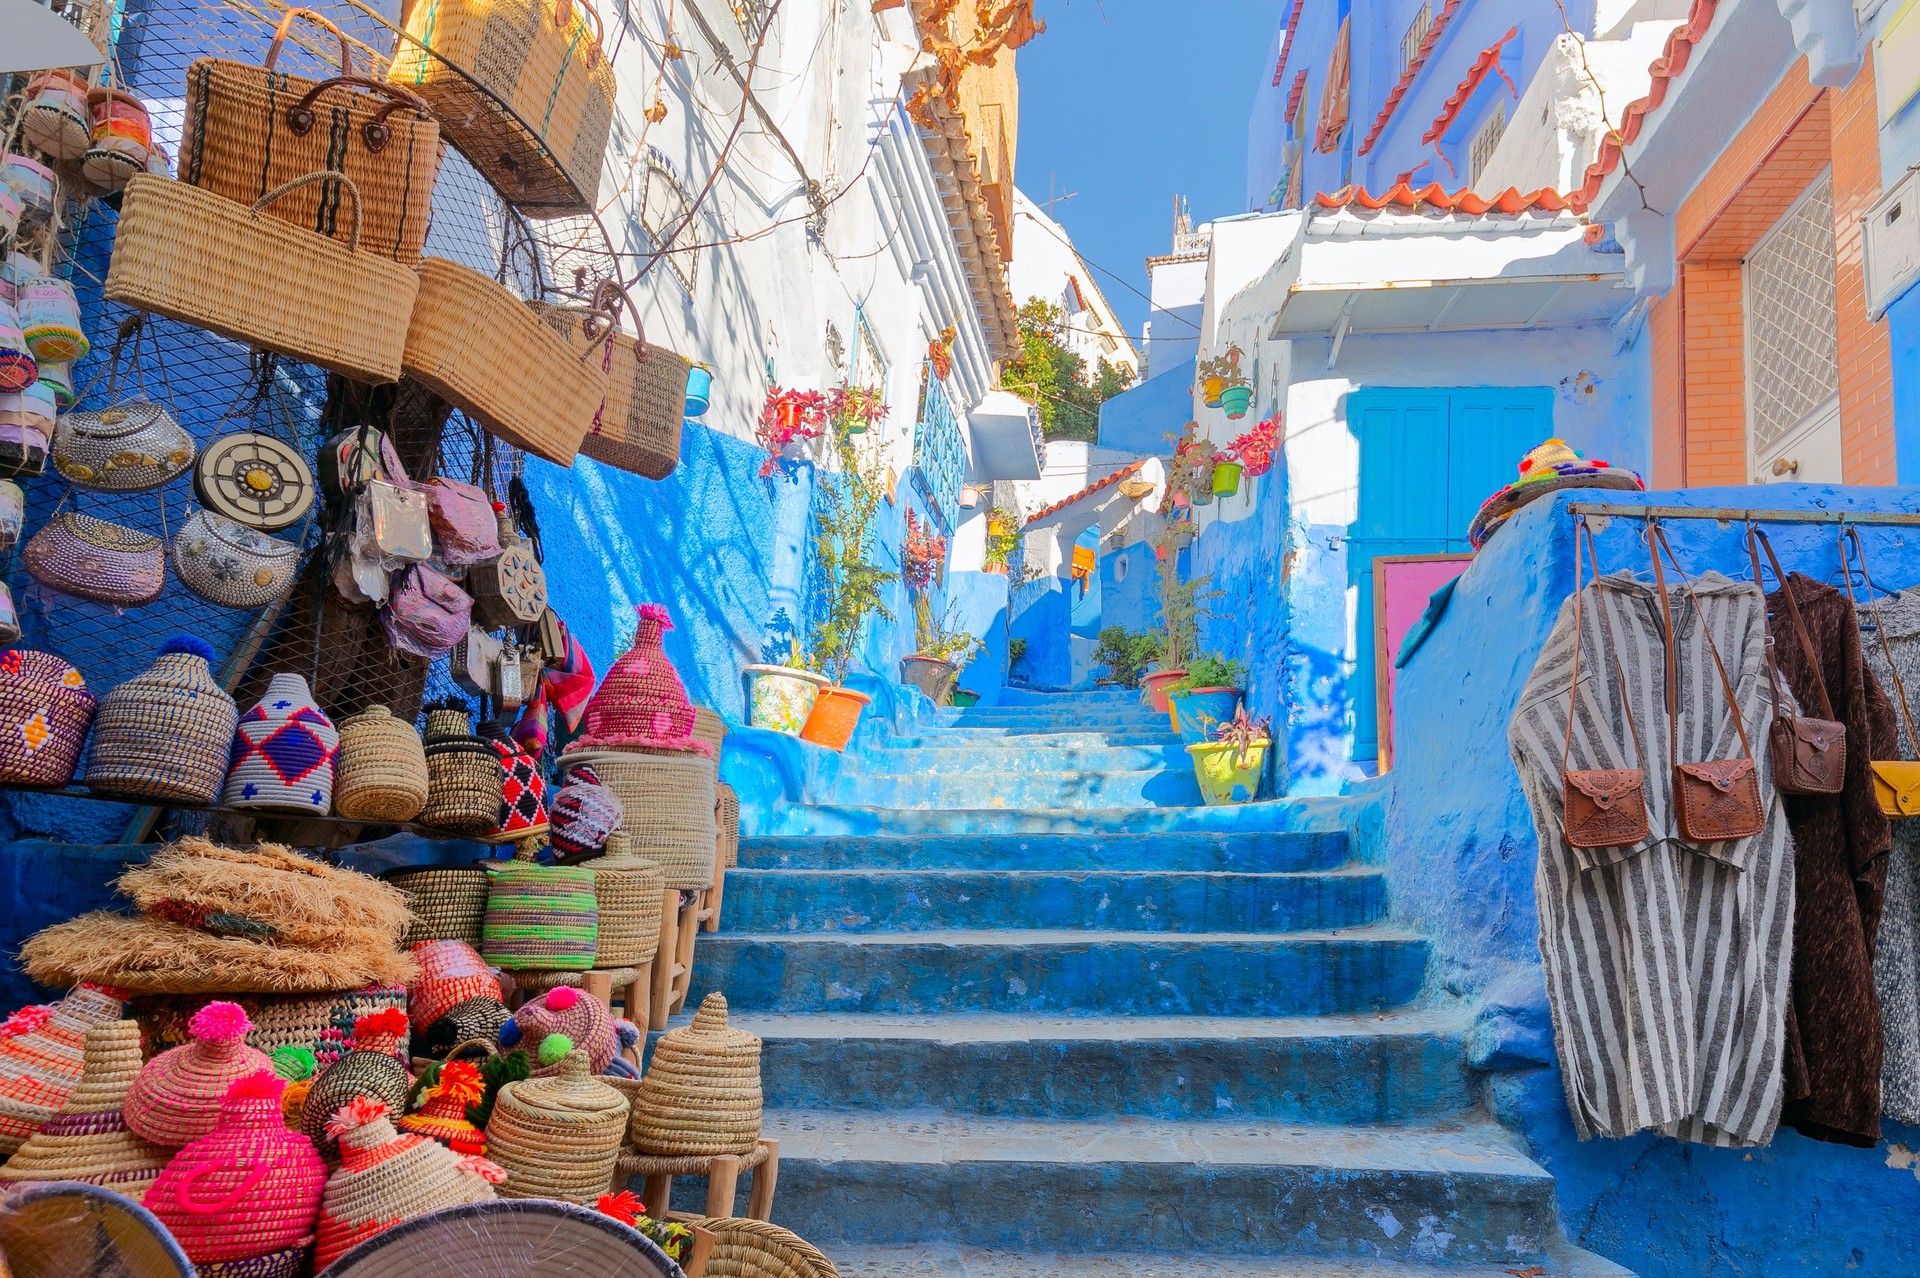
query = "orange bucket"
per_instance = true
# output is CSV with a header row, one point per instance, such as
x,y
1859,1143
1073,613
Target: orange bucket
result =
x,y
836,713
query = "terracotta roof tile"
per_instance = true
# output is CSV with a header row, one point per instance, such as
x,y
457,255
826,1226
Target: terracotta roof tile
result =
x,y
1407,77
1671,62
1489,60
1299,87
1402,196
1088,491
1286,45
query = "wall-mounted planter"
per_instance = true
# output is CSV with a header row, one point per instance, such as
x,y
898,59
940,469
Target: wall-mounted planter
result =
x,y
699,389
1203,496
1198,711
1181,501
969,497
1156,686
1226,478
1236,400
836,713
998,570
1225,774
1211,389
780,698
929,674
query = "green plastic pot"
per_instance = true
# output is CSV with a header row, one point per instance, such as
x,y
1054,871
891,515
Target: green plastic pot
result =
x,y
1203,495
1236,400
961,699
1227,776
1226,478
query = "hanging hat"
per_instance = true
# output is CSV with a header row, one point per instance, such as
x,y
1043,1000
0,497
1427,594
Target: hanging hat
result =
x,y
1547,468
177,701
585,1021
583,813
177,1095
372,1069
523,787
476,1019
283,752
249,1188
642,703
42,1053
443,1113
451,972
386,1177
88,1140
701,1094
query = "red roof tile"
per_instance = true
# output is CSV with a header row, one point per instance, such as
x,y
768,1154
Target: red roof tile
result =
x,y
1434,32
1299,87
1088,491
1286,45
1402,196
1671,62
1489,60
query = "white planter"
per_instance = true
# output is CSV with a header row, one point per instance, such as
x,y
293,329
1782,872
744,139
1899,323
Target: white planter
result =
x,y
781,697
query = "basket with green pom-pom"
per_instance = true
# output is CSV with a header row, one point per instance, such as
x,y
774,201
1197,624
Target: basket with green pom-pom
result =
x,y
558,1136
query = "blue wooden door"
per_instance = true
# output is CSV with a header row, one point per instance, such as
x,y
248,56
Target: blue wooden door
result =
x,y
1428,458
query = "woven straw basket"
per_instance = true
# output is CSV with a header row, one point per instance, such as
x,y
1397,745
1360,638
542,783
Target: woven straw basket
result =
x,y
380,773
166,733
558,1137
356,1074
464,777
386,1178
539,916
756,1249
463,325
726,816
447,904
701,1093
321,1023
88,1139
709,727
175,1099
669,801
638,426
629,890
190,255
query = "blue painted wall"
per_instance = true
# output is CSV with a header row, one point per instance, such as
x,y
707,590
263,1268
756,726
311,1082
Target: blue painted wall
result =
x,y
1141,419
1903,335
1460,851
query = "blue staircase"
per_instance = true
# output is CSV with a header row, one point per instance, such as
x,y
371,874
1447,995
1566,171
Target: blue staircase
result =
x,y
1028,1010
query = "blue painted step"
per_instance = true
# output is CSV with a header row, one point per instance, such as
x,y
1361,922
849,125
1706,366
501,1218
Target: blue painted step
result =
x,y
1092,696
867,900
1160,787
1139,719
955,1260
1155,733
1256,852
980,756
1116,973
828,818
1365,1068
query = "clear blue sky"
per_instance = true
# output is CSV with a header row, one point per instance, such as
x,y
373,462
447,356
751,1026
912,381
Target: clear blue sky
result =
x,y
1130,102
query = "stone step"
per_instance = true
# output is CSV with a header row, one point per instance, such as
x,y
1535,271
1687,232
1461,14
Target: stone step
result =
x,y
980,756
1120,973
946,791
1156,733
1079,718
1459,1195
1011,696
867,900
1394,1067
867,1260
1257,852
829,818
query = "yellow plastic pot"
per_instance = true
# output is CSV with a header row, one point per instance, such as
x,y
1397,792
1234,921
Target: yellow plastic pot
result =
x,y
1227,775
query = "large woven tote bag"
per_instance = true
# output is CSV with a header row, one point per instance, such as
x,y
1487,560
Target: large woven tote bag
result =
x,y
252,128
522,87
638,426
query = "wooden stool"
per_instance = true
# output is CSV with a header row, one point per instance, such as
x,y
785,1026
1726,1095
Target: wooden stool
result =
x,y
723,1178
669,971
693,918
599,983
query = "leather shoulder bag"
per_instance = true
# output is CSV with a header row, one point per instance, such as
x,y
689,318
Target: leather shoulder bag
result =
x,y
1809,754
1896,782
1601,807
1714,800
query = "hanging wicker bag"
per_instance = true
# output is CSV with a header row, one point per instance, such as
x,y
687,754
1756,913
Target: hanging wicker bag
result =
x,y
372,1069
451,972
165,733
464,778
88,1139
448,904
559,1136
42,1053
175,1099
701,1094
540,917
45,710
629,891
381,771
638,426
247,1190
667,800
386,1178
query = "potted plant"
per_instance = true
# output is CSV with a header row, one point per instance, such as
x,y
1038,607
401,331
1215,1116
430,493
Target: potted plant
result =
x,y
1016,653
1125,656
943,649
962,699
851,592
923,555
789,421
1230,766
852,409
1205,696
969,497
940,352
1190,469
1182,604
1223,386
1003,538
780,697
1254,447
699,389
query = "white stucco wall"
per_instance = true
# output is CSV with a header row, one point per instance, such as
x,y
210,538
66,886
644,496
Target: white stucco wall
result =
x,y
1044,261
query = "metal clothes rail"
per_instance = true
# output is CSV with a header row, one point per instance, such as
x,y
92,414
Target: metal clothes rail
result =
x,y
1737,515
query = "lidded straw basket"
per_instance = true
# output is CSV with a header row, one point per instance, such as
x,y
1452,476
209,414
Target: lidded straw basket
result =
x,y
701,1093
448,903
381,771
177,1095
559,1136
45,710
372,1069
464,777
540,917
629,891
667,800
41,1056
88,1139
451,972
386,1178
709,727
167,732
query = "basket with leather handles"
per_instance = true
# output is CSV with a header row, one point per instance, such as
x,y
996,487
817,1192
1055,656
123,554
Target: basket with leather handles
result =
x,y
1600,807
250,128
200,258
1896,782
1809,754
638,426
1714,800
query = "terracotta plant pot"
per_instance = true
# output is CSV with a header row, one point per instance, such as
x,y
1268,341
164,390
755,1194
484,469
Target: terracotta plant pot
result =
x,y
1156,685
836,713
998,570
931,675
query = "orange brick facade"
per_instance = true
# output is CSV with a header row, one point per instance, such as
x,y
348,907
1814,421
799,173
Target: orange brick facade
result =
x,y
1696,333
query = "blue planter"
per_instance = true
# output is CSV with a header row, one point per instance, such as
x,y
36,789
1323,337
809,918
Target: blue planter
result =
x,y
699,390
1199,711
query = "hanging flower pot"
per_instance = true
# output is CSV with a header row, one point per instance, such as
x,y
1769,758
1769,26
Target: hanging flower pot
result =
x,y
699,389
1181,501
1226,479
1236,400
786,414
1211,389
969,497
1203,492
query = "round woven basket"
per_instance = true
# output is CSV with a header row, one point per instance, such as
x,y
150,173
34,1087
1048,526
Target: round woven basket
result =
x,y
726,816
451,972
167,732
477,1018
40,1068
709,727
88,1140
371,1070
465,781
176,1097
668,799
386,1178
540,916
381,771
756,1249
701,1093
629,890
321,1023
447,904
558,1137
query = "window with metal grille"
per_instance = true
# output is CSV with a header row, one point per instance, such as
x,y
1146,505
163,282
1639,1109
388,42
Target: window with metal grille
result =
x,y
663,215
939,453
1416,34
1791,319
869,365
1485,140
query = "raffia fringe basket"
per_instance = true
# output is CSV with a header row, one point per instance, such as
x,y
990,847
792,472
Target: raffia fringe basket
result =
x,y
497,71
447,904
756,1249
380,772
629,890
190,255
558,1137
701,1094
726,815
668,797
638,426
463,325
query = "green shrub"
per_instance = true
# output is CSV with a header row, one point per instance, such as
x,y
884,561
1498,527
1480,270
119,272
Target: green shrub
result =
x,y
1212,671
1125,655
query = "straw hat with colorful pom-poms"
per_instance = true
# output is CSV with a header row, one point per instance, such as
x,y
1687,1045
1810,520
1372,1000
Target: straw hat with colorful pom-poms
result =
x,y
176,1096
1547,468
41,1056
371,1069
386,1177
585,1021
443,1115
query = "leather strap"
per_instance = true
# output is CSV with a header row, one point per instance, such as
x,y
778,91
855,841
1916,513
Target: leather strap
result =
x,y
1757,541
1656,544
1852,534
1583,536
